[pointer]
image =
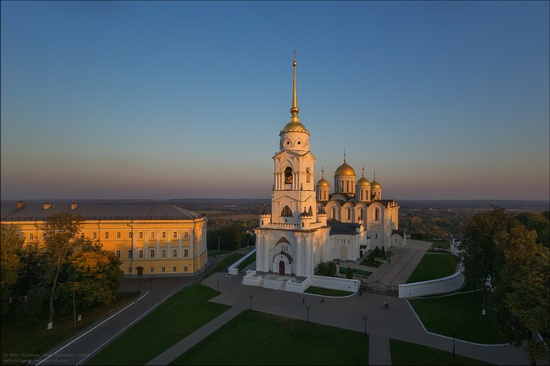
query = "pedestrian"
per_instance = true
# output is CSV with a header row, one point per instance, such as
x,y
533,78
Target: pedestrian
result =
x,y
303,300
389,260
322,300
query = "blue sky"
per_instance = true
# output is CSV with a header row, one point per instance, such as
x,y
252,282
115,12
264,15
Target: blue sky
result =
x,y
444,100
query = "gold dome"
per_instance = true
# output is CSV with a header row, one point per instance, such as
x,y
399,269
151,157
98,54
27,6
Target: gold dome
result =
x,y
322,183
375,184
294,127
344,169
363,182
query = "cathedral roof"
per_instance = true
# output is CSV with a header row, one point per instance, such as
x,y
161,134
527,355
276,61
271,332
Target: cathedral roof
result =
x,y
322,182
337,227
375,184
363,182
293,126
344,169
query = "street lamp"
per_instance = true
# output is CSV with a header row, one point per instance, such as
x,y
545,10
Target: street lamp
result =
x,y
307,307
218,285
365,318
454,341
251,297
219,237
74,311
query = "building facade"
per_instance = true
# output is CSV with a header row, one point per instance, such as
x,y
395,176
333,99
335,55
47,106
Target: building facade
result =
x,y
308,224
150,239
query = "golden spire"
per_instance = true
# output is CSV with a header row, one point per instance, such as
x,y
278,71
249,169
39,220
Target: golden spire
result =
x,y
363,175
294,110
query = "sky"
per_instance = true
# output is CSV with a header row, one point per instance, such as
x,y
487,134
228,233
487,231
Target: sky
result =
x,y
181,99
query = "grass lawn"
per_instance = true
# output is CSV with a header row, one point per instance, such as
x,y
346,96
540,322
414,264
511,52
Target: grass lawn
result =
x,y
179,316
460,314
441,244
226,262
254,338
433,266
35,339
405,353
326,291
356,272
247,261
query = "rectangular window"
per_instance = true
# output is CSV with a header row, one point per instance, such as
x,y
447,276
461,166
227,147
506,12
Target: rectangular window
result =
x,y
184,269
152,234
118,234
152,253
141,253
43,236
130,235
129,269
186,235
152,269
173,269
94,235
186,253
118,253
174,253
164,234
140,235
163,269
175,234
106,235
130,254
31,236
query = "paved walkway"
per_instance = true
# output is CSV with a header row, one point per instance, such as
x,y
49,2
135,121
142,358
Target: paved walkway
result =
x,y
398,322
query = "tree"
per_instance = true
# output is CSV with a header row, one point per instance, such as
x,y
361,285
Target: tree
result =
x,y
326,269
9,262
60,234
349,273
94,275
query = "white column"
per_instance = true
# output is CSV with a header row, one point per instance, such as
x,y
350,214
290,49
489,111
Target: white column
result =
x,y
180,244
157,244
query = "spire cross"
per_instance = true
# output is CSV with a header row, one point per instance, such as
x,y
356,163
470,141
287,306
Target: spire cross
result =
x,y
363,171
322,172
295,55
344,155
294,110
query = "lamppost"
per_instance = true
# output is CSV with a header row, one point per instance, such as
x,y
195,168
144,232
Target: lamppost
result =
x,y
218,285
251,297
219,237
454,341
74,311
365,318
307,307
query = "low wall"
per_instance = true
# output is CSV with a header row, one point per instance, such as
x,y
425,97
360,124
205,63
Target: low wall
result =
x,y
335,283
432,287
232,269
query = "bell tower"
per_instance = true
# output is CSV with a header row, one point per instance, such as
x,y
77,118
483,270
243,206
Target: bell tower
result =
x,y
293,199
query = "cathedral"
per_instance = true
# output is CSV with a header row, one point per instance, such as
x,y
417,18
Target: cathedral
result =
x,y
308,224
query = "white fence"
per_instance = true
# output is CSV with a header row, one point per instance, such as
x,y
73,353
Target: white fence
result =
x,y
432,287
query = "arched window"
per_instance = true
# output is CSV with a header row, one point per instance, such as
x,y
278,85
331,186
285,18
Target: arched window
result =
x,y
349,213
288,175
334,213
287,212
308,174
377,214
310,211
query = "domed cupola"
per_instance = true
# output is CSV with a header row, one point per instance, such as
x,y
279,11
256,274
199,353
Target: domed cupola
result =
x,y
376,189
323,188
294,136
344,179
362,188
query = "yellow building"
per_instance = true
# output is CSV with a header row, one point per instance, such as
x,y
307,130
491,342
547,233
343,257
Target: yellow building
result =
x,y
151,239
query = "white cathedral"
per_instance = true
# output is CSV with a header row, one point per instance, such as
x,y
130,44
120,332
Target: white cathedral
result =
x,y
309,225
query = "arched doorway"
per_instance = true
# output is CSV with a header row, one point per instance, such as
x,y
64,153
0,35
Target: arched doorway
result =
x,y
140,271
281,267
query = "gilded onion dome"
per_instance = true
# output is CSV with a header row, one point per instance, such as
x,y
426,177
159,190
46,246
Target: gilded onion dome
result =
x,y
363,181
322,182
294,127
344,169
375,184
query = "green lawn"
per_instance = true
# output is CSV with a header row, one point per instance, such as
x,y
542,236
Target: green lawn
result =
x,y
441,244
255,338
226,262
460,315
19,338
172,321
405,353
433,266
356,272
247,261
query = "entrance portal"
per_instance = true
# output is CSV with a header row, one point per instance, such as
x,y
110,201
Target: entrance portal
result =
x,y
140,271
281,267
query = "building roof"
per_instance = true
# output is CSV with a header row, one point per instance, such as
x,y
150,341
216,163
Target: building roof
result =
x,y
98,211
337,227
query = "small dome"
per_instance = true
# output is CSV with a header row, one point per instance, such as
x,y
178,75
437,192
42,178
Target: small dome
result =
x,y
344,169
322,183
375,184
294,127
363,182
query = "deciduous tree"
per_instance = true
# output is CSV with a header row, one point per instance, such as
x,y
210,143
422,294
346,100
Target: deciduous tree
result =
x,y
9,262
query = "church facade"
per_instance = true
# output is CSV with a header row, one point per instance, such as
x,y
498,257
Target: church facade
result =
x,y
308,224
